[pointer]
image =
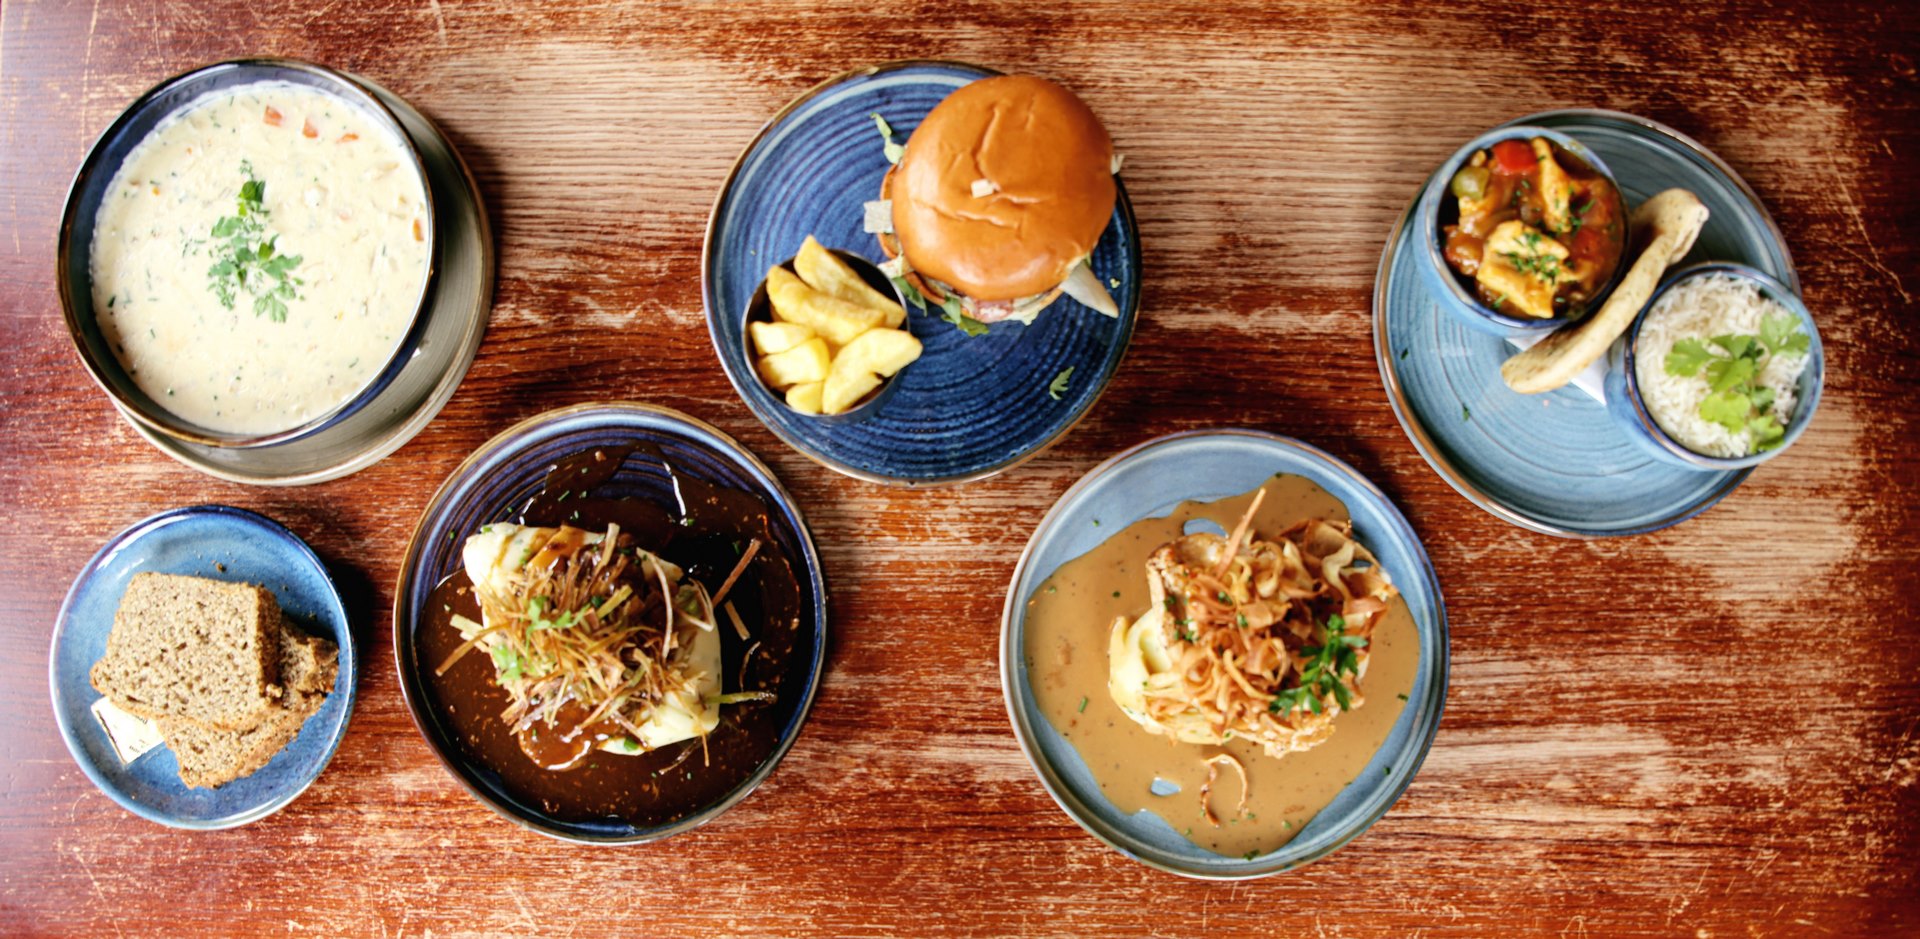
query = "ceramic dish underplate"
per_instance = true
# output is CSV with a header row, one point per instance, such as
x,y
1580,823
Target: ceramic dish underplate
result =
x,y
456,320
970,407
1149,481
1555,462
510,469
220,543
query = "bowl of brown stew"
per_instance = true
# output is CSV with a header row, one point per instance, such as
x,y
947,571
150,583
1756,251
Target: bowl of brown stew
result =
x,y
1527,231
630,481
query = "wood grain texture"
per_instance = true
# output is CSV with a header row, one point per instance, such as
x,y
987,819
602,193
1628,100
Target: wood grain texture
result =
x,y
1709,731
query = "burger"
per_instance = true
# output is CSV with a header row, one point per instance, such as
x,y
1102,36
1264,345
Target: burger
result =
x,y
994,205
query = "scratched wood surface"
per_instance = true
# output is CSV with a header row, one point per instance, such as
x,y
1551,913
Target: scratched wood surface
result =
x,y
1708,731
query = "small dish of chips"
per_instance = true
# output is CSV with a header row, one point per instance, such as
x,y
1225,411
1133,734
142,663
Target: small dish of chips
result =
x,y
827,330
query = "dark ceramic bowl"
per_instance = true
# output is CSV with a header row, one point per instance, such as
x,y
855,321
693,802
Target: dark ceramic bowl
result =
x,y
502,476
760,310
75,282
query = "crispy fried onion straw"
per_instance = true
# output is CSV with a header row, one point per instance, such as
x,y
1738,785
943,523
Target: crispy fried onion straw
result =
x,y
1267,640
1206,789
591,634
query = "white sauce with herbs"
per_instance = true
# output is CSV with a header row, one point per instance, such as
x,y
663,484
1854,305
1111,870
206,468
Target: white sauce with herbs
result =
x,y
339,193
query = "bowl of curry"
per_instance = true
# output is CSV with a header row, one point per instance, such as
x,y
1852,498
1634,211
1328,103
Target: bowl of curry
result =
x,y
1526,231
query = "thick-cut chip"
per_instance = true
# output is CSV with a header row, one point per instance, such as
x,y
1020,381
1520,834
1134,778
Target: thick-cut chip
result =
x,y
844,389
860,366
805,398
803,363
775,338
828,274
1673,219
832,318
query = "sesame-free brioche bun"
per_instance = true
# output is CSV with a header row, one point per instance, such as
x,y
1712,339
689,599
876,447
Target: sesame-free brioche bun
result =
x,y
1050,163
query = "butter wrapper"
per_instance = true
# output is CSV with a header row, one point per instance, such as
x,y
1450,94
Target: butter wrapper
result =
x,y
131,736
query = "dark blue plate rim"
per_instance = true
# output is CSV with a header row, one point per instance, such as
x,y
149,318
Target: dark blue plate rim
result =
x,y
350,674
1130,307
1436,698
411,559
1403,409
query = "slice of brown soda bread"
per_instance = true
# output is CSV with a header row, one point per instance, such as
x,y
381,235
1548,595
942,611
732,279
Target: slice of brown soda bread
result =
x,y
193,649
208,758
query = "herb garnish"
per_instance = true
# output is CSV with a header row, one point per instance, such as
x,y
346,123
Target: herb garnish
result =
x,y
1320,677
1731,365
1535,262
957,315
249,258
1059,383
537,615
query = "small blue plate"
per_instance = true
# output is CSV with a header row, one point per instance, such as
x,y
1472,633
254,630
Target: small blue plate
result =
x,y
512,468
970,407
1556,462
1149,481
221,543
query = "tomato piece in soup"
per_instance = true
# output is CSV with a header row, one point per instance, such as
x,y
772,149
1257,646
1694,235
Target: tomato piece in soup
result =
x,y
1514,158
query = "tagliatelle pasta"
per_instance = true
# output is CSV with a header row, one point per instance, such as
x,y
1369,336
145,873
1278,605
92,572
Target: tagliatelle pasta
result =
x,y
1265,640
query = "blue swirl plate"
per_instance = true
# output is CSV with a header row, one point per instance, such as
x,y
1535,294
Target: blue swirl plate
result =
x,y
220,543
970,407
1555,462
1150,481
670,449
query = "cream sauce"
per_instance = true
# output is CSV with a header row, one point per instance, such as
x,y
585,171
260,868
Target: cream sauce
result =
x,y
340,192
1068,619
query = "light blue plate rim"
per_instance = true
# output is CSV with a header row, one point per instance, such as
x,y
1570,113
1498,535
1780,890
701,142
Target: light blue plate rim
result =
x,y
345,688
1435,658
1403,410
747,386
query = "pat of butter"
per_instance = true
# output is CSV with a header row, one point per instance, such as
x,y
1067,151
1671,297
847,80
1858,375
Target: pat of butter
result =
x,y
131,736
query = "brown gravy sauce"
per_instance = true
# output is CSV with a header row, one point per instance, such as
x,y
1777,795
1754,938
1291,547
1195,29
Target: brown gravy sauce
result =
x,y
679,779
1067,626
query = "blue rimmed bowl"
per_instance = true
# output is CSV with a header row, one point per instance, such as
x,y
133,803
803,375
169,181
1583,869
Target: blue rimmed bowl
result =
x,y
1628,407
220,543
970,407
1437,209
1149,481
507,471
74,280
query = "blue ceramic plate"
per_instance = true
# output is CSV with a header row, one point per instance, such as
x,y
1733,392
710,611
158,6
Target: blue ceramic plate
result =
x,y
502,476
1150,480
1555,462
221,543
969,408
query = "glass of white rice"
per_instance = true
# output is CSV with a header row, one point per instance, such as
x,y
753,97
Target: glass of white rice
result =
x,y
1701,310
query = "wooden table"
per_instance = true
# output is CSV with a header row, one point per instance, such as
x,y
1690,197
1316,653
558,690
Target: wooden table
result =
x,y
1707,731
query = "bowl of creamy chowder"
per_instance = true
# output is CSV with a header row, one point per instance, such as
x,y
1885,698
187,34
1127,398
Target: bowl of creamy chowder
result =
x,y
247,252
